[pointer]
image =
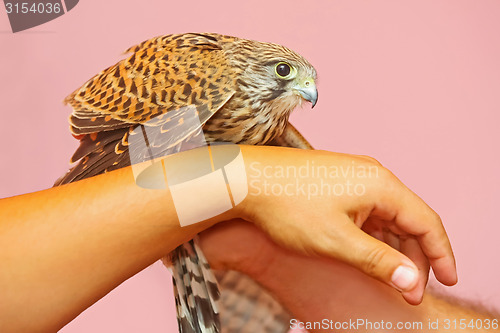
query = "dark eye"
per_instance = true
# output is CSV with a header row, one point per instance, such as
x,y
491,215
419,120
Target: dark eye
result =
x,y
283,69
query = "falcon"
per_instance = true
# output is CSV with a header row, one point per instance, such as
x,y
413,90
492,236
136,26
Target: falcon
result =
x,y
243,92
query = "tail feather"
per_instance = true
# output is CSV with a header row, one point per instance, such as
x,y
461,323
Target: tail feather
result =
x,y
195,289
248,308
212,287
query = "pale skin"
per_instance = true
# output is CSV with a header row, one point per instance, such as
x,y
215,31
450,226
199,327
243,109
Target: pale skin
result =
x,y
315,289
65,248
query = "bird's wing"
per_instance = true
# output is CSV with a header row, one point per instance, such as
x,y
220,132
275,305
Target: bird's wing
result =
x,y
163,76
292,138
171,84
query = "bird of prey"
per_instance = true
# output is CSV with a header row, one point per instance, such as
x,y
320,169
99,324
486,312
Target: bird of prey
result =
x,y
243,92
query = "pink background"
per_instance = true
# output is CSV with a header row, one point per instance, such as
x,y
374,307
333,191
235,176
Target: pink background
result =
x,y
415,84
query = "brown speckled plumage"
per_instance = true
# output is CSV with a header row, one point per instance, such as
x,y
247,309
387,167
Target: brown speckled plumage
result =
x,y
231,82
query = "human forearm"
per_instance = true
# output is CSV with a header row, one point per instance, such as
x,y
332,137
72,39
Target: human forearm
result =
x,y
64,248
449,314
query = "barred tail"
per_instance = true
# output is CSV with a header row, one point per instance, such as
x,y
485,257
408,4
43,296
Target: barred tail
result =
x,y
195,289
247,308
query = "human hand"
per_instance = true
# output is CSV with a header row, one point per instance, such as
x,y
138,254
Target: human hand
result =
x,y
315,289
310,288
336,224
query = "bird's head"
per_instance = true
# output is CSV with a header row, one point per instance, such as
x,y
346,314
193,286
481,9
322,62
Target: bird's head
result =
x,y
273,77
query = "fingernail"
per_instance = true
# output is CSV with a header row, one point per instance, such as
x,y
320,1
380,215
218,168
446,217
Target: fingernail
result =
x,y
403,277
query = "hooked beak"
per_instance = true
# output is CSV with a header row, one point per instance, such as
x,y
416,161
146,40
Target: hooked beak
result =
x,y
308,91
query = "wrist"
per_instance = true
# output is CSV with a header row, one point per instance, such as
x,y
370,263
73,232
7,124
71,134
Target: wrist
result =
x,y
245,209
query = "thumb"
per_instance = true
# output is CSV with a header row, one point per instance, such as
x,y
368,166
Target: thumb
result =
x,y
373,257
